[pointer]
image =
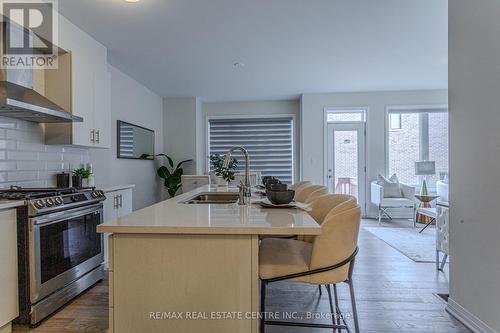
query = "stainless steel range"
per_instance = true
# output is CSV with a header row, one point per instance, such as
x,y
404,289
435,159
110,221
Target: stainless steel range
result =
x,y
60,253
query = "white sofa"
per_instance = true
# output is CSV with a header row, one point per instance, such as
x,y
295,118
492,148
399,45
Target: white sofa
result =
x,y
407,201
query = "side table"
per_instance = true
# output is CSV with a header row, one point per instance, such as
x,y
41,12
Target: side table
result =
x,y
425,202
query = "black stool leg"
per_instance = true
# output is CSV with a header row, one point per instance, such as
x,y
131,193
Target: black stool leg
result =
x,y
333,312
354,309
263,285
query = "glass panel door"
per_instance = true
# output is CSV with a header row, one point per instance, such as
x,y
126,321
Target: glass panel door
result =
x,y
346,160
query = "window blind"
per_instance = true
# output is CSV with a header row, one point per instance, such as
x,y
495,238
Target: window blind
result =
x,y
126,141
269,143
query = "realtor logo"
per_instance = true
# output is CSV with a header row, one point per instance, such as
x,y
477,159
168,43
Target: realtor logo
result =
x,y
29,34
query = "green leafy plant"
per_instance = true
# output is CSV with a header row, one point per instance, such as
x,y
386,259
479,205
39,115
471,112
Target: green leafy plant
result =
x,y
217,162
82,172
171,175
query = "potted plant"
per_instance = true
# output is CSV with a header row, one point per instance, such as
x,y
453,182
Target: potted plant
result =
x,y
80,174
224,175
171,175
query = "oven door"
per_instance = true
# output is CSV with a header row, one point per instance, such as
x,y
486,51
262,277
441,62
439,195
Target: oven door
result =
x,y
63,247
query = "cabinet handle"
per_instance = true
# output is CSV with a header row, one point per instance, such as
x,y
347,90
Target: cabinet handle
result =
x,y
121,201
92,136
115,201
98,136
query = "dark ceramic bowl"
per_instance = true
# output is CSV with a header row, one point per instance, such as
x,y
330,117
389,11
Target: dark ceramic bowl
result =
x,y
265,179
280,198
279,187
272,182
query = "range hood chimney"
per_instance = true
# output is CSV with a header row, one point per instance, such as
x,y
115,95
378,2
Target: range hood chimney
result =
x,y
18,98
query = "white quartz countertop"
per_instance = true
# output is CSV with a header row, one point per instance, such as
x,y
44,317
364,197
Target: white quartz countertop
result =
x,y
173,217
6,204
112,188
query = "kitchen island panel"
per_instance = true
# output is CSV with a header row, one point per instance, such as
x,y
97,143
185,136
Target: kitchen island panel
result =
x,y
156,276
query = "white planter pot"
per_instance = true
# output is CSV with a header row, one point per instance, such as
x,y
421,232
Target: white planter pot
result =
x,y
222,184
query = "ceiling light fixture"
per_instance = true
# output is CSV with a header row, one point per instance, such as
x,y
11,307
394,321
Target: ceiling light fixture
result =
x,y
132,0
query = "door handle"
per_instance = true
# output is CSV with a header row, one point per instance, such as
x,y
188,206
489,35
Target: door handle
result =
x,y
98,136
115,201
92,136
121,201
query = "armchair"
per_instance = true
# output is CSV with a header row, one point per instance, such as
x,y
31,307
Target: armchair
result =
x,y
406,201
442,236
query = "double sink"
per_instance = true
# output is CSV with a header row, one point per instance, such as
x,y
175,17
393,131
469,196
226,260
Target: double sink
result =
x,y
213,198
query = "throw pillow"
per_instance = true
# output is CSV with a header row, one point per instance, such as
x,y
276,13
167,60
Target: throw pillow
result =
x,y
392,188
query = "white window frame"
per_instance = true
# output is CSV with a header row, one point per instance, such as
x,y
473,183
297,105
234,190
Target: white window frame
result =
x,y
295,153
406,109
351,109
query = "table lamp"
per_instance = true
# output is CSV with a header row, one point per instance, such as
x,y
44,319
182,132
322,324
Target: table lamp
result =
x,y
425,168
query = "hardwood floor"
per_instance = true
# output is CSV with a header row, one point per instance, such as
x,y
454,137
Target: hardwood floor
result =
x,y
87,313
394,294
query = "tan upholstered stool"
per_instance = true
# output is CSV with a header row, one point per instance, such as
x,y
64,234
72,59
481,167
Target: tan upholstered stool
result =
x,y
329,260
316,194
304,192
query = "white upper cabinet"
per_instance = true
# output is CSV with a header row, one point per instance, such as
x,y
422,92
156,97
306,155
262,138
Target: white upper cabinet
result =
x,y
82,97
102,109
90,92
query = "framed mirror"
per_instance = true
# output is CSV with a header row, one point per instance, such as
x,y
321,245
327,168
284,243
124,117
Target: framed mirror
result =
x,y
135,142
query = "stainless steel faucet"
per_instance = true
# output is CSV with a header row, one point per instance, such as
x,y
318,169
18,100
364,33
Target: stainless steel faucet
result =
x,y
245,188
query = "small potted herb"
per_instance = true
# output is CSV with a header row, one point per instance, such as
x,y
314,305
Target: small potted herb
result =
x,y
80,174
224,175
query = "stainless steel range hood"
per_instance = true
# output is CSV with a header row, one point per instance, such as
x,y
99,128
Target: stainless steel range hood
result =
x,y
19,102
18,98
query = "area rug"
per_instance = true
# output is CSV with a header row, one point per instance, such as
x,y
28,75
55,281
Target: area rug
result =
x,y
417,247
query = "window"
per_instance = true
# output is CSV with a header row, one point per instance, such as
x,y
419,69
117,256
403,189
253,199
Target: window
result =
x,y
395,121
417,136
269,142
338,116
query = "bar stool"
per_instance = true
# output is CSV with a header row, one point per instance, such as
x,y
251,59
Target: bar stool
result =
x,y
321,207
304,192
296,186
316,194
329,260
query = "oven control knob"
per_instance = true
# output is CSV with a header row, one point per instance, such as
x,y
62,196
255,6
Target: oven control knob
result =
x,y
49,202
39,204
58,201
94,194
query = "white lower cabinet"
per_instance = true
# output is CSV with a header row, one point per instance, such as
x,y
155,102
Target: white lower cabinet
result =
x,y
118,203
9,302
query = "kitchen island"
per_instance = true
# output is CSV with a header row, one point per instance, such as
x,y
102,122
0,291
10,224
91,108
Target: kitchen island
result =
x,y
178,267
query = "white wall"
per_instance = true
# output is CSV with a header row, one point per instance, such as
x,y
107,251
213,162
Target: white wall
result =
x,y
133,103
313,125
474,84
251,108
180,130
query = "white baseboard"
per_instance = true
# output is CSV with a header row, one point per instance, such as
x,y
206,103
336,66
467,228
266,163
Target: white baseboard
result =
x,y
7,328
463,315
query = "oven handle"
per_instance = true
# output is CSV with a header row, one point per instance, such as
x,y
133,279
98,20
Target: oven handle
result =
x,y
66,215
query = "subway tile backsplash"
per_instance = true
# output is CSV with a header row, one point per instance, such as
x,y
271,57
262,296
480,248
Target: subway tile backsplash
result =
x,y
26,161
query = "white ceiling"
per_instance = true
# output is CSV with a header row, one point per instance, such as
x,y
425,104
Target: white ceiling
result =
x,y
289,47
